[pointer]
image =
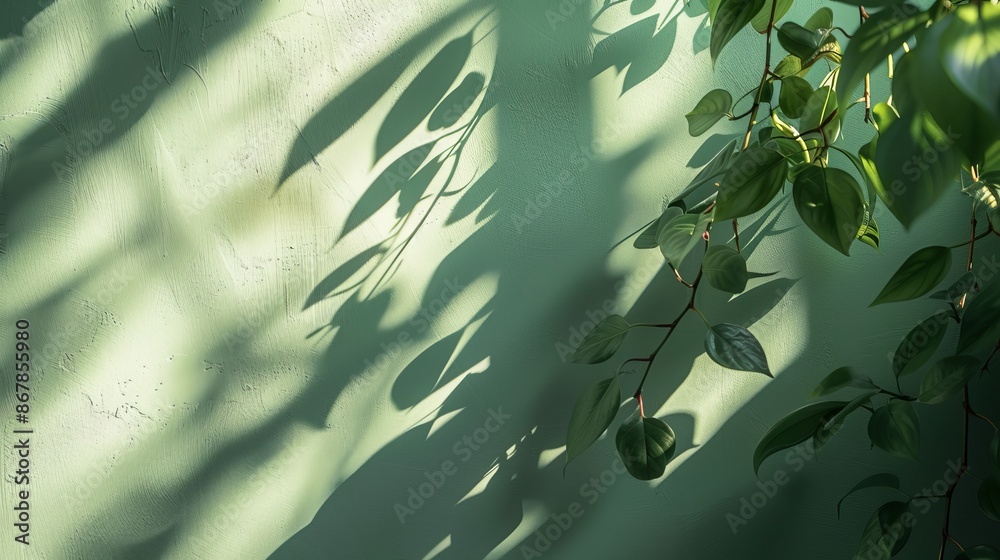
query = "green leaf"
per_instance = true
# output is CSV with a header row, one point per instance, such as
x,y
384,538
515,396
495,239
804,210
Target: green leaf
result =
x,y
794,94
592,415
962,287
718,166
868,234
831,425
799,426
982,552
971,50
882,480
678,237
725,269
886,532
946,377
831,203
602,341
989,497
895,428
919,274
730,18
734,347
839,379
789,66
915,158
647,239
821,19
819,110
980,327
803,42
919,345
995,453
751,183
715,105
763,17
879,36
645,445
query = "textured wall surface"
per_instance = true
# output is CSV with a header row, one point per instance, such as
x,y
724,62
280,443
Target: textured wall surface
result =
x,y
274,294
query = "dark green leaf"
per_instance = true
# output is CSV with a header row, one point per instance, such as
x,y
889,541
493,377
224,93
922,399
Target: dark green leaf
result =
x,y
839,379
989,497
799,426
719,165
886,532
895,428
725,269
734,347
794,94
647,239
753,180
919,274
645,445
830,202
602,341
831,425
730,18
882,480
946,377
972,56
919,345
803,42
980,327
878,37
592,415
962,287
715,105
818,111
982,552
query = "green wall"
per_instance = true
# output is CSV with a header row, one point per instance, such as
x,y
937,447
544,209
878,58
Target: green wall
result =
x,y
257,326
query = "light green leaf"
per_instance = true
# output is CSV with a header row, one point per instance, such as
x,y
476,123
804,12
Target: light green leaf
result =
x,y
592,415
879,36
647,239
645,445
919,274
678,237
919,344
751,183
715,105
799,426
602,341
819,110
763,17
725,269
989,497
881,480
730,17
789,66
831,203
980,327
946,377
821,19
895,428
971,50
886,532
839,379
734,347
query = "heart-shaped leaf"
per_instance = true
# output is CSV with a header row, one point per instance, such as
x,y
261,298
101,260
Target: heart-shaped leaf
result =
x,y
794,429
919,345
734,347
602,341
895,428
831,203
592,415
751,183
725,269
678,237
946,377
715,105
729,18
919,274
794,94
645,445
886,532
